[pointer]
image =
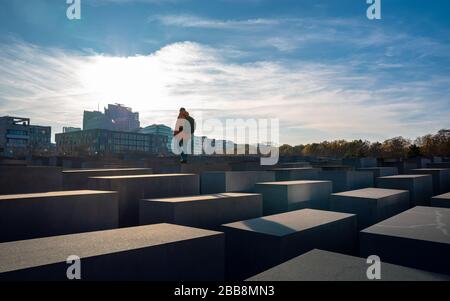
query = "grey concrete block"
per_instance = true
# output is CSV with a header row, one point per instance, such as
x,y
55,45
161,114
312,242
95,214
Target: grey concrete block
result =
x,y
419,162
439,165
441,178
73,179
360,162
253,246
371,205
299,173
155,252
293,195
436,160
203,211
335,167
319,265
24,216
233,181
380,172
29,179
420,187
402,166
410,165
442,200
294,164
345,180
417,238
133,188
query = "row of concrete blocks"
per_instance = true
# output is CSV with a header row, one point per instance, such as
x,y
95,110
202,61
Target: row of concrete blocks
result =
x,y
131,188
116,202
112,201
416,238
78,211
46,214
284,192
219,182
343,180
115,179
215,182
125,204
34,179
41,179
371,205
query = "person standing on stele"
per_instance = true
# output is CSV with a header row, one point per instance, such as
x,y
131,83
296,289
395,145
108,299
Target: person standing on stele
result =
x,y
184,131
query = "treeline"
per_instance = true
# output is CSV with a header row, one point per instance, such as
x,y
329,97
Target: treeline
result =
x,y
398,147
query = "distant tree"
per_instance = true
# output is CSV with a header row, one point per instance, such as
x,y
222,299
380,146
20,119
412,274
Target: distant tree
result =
x,y
426,144
396,147
443,138
414,151
286,150
375,150
312,150
298,149
357,148
435,145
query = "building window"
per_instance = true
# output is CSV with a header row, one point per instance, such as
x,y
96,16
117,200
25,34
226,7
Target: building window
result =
x,y
17,132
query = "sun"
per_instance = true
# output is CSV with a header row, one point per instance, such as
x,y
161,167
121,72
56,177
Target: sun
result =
x,y
139,81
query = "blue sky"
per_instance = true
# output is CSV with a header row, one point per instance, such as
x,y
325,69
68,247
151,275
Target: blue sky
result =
x,y
321,67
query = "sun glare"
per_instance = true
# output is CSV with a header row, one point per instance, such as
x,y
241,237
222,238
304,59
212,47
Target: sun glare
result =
x,y
137,81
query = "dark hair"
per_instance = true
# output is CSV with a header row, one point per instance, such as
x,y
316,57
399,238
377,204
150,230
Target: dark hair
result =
x,y
182,110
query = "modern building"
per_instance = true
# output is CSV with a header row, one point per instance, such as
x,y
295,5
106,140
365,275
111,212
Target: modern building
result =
x,y
162,130
123,118
96,120
19,138
116,118
40,139
106,142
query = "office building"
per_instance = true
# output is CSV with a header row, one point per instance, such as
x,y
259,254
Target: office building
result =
x,y
19,138
40,139
162,130
116,118
106,142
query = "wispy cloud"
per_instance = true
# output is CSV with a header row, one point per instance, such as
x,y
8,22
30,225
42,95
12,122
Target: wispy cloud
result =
x,y
313,101
288,34
198,22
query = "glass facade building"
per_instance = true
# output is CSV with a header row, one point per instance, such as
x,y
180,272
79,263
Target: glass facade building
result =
x,y
105,142
162,130
19,138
